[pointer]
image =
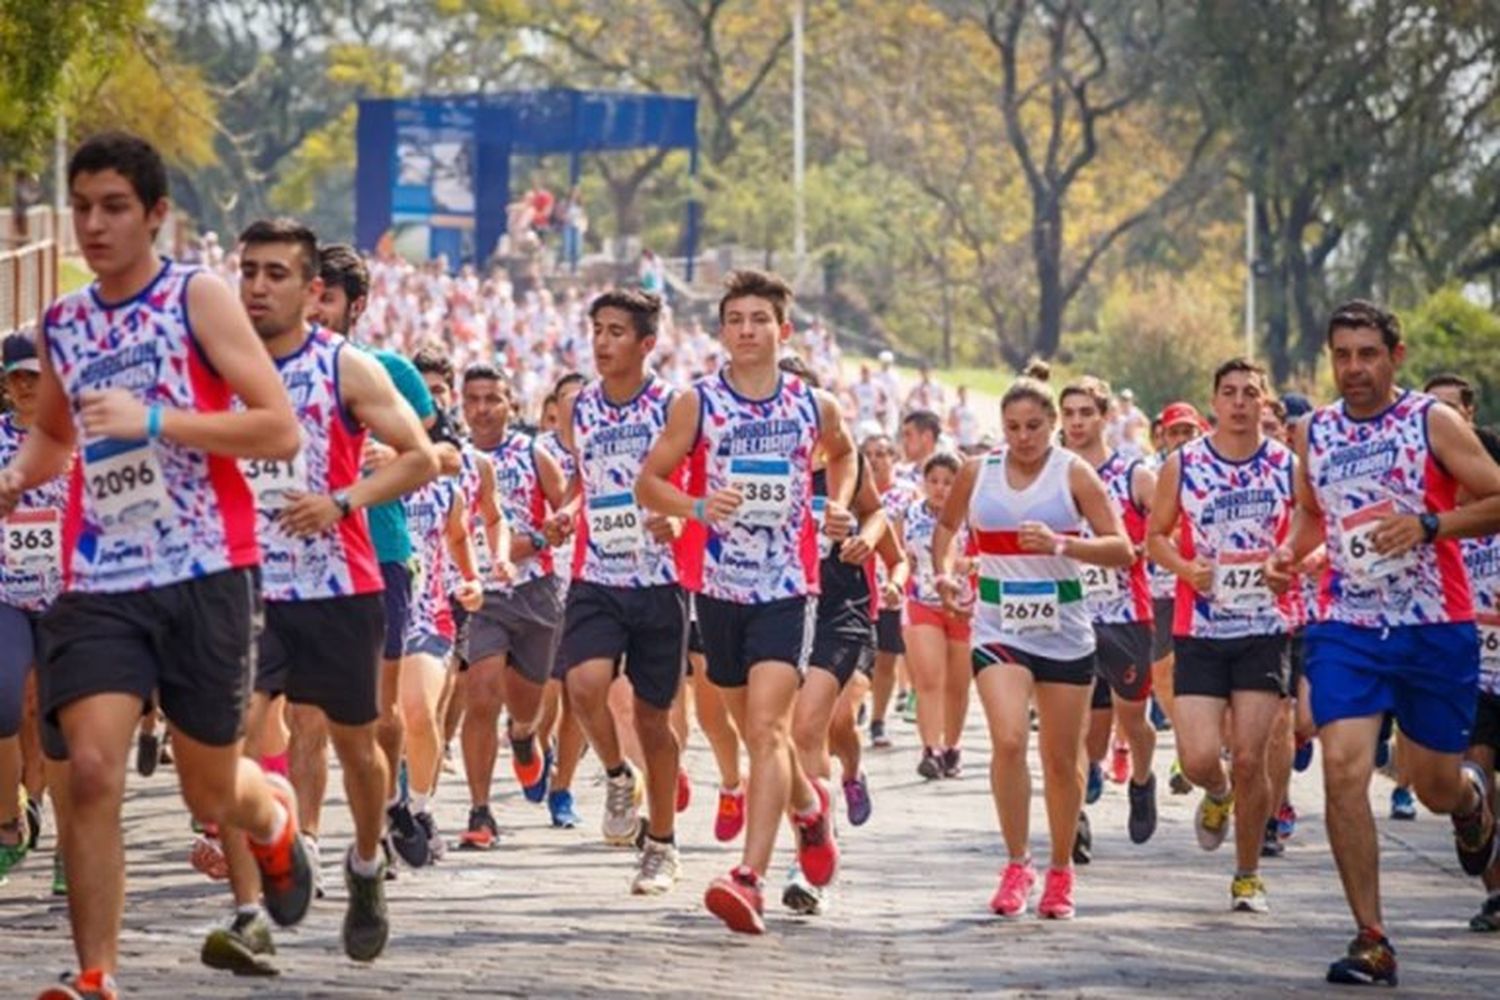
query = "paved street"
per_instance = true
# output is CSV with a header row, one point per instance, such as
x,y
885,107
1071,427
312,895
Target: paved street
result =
x,y
549,914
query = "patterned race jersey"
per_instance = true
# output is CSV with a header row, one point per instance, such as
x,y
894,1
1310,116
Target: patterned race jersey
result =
x,y
1120,596
470,484
769,549
340,561
1362,471
612,547
562,555
1234,515
518,484
917,523
31,548
1482,560
144,514
427,512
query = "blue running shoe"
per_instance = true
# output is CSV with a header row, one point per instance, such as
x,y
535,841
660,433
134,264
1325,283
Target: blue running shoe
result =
x,y
1096,784
1403,803
1303,758
560,805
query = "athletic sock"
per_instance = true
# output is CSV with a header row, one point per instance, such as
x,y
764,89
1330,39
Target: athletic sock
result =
x,y
247,910
363,868
277,763
419,802
670,839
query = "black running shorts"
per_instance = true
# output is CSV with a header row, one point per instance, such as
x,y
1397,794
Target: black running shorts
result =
x,y
326,654
1125,659
645,626
1486,731
888,638
1216,668
1163,608
738,636
1044,669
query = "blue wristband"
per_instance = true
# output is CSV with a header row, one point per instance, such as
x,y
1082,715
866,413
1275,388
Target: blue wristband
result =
x,y
153,423
700,509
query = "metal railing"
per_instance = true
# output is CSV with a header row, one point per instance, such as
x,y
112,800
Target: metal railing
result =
x,y
28,283
42,223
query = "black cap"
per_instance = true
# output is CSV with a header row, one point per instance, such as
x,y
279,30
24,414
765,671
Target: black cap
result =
x,y
20,353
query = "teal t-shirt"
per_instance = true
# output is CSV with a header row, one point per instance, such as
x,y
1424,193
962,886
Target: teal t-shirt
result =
x,y
388,520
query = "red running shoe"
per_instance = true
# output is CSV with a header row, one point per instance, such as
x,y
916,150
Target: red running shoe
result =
x,y
684,790
90,985
1119,764
286,875
817,851
1016,883
731,817
1057,895
737,900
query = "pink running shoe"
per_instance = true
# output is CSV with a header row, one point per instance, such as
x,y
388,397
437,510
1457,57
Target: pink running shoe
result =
x,y
730,819
1057,895
817,849
1016,883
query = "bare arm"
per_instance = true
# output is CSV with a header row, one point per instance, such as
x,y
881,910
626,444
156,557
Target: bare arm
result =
x,y
654,490
1308,529
946,530
838,450
1110,546
1458,448
871,513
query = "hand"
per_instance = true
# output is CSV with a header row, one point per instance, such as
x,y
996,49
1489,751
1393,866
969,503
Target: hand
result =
x,y
376,455
838,523
112,413
558,528
1037,537
952,593
504,571
309,514
721,504
1200,576
1397,534
663,530
10,490
855,550
469,595
890,596
1316,561
1280,571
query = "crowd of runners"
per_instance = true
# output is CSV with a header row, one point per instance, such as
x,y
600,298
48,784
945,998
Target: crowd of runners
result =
x,y
253,511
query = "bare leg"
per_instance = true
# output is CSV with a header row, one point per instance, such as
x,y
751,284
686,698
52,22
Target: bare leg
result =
x,y
1062,712
1348,763
762,709
307,756
926,655
718,728
1005,692
958,675
485,694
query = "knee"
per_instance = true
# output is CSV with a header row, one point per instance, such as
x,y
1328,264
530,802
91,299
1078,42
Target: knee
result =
x,y
765,736
808,736
653,728
94,777
416,711
1060,764
1347,767
1009,747
209,800
356,747
1202,766
1249,767
584,692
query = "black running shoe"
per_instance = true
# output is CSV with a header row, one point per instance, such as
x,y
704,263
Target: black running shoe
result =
x,y
931,764
244,947
1474,833
33,822
1487,920
1271,845
147,754
1370,961
366,925
1142,822
407,837
1083,841
953,765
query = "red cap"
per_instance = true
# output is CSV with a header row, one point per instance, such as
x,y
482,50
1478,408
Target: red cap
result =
x,y
1181,413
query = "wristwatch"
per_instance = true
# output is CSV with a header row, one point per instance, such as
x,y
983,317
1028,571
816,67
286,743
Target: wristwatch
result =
x,y
1430,525
341,501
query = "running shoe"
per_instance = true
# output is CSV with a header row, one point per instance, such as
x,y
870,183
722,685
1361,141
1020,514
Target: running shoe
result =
x,y
1095,786
1142,822
659,869
1286,821
560,806
483,833
953,765
1270,844
408,839
207,856
366,924
1013,895
147,754
1178,781
310,845
93,984
1474,833
862,715
817,850
1403,803
931,764
730,818
1119,763
1211,822
243,947
1159,720
1302,759
437,848
33,820
878,739
909,710
12,854
285,876
857,799
1057,895
59,875
1383,749
622,808
1370,960
1487,920
1247,894
530,767
684,791
1083,841
801,896
738,900
899,706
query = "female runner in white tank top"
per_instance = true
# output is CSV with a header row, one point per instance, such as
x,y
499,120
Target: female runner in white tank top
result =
x,y
1025,506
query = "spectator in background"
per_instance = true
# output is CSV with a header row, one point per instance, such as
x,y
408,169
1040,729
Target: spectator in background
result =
x,y
866,396
1128,426
926,394
963,422
888,393
653,274
1456,391
575,226
541,202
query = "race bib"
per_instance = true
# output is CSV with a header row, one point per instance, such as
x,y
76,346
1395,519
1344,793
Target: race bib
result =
x,y
271,481
1240,581
1029,607
1360,558
1489,641
33,539
766,485
615,524
125,484
820,521
1101,584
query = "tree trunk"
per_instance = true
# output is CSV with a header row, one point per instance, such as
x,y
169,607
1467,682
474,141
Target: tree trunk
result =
x,y
1046,241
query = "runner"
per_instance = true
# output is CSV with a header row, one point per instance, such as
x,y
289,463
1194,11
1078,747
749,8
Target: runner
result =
x,y
346,290
320,647
1119,604
752,432
936,638
626,610
159,549
513,635
1482,560
1026,506
1395,625
1228,498
890,647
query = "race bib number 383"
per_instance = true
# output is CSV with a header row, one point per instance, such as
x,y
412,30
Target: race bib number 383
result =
x,y
124,482
766,486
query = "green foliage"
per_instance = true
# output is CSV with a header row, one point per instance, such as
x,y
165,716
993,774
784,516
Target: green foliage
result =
x,y
1450,333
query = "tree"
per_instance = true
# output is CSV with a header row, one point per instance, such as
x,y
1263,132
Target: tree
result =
x,y
1447,333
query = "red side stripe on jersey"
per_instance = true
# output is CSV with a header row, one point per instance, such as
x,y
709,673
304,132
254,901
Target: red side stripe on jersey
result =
x,y
231,495
72,519
344,450
1440,495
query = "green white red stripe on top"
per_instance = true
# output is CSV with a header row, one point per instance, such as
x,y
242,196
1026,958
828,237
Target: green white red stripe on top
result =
x,y
1029,601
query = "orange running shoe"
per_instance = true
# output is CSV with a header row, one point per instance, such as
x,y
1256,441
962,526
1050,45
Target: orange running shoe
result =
x,y
1119,764
286,874
731,817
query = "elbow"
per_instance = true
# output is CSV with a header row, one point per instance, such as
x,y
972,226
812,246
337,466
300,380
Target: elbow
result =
x,y
427,463
285,440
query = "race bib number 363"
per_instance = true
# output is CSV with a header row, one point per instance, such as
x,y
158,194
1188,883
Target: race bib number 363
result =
x,y
124,482
33,538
